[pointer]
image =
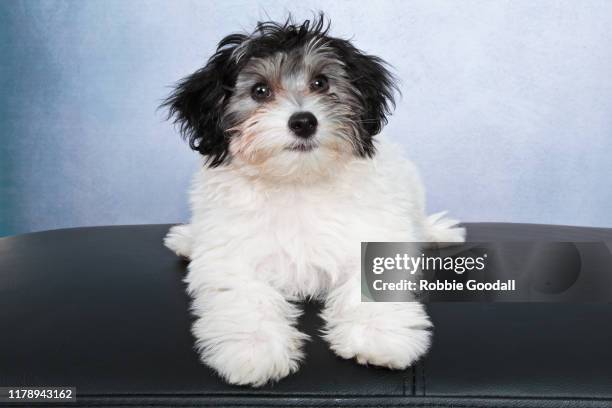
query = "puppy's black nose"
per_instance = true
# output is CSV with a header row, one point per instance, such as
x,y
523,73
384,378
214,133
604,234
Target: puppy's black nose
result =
x,y
303,124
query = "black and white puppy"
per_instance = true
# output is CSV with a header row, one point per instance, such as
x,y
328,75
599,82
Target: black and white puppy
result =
x,y
294,178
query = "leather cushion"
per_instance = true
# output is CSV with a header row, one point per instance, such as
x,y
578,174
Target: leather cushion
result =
x,y
104,309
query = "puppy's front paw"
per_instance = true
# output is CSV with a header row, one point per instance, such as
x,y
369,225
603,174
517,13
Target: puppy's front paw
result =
x,y
382,334
253,358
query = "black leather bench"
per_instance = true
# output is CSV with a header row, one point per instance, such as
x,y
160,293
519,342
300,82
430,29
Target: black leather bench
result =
x,y
104,310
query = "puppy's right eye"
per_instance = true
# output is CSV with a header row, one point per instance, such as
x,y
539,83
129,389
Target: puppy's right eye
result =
x,y
261,92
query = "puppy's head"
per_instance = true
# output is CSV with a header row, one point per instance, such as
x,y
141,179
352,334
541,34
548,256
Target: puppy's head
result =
x,y
285,100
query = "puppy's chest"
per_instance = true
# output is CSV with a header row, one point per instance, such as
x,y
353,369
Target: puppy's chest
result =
x,y
308,245
339,220
309,228
311,243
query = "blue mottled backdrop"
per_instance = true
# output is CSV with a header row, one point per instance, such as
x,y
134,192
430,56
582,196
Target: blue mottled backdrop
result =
x,y
507,105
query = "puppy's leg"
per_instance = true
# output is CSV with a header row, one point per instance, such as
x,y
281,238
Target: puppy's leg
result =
x,y
179,240
392,335
245,328
438,228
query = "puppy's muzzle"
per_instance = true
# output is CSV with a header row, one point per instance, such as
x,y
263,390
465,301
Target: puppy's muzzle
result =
x,y
303,124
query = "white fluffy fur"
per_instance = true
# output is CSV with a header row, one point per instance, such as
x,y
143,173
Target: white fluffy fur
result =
x,y
257,244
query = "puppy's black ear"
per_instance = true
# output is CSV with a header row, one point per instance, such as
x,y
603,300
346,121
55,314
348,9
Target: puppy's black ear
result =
x,y
199,100
375,87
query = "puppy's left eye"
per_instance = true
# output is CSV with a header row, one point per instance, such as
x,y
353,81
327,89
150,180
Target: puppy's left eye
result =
x,y
319,84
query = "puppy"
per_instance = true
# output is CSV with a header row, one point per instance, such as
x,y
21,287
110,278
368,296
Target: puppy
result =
x,y
294,178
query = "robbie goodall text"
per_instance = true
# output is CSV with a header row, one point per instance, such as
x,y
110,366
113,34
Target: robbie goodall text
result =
x,y
424,285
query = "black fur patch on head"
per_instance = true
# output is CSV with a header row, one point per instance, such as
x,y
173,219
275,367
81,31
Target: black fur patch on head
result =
x,y
374,86
199,101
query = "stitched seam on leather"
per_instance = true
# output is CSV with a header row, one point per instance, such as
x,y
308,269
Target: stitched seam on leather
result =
x,y
406,381
421,378
424,382
414,381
